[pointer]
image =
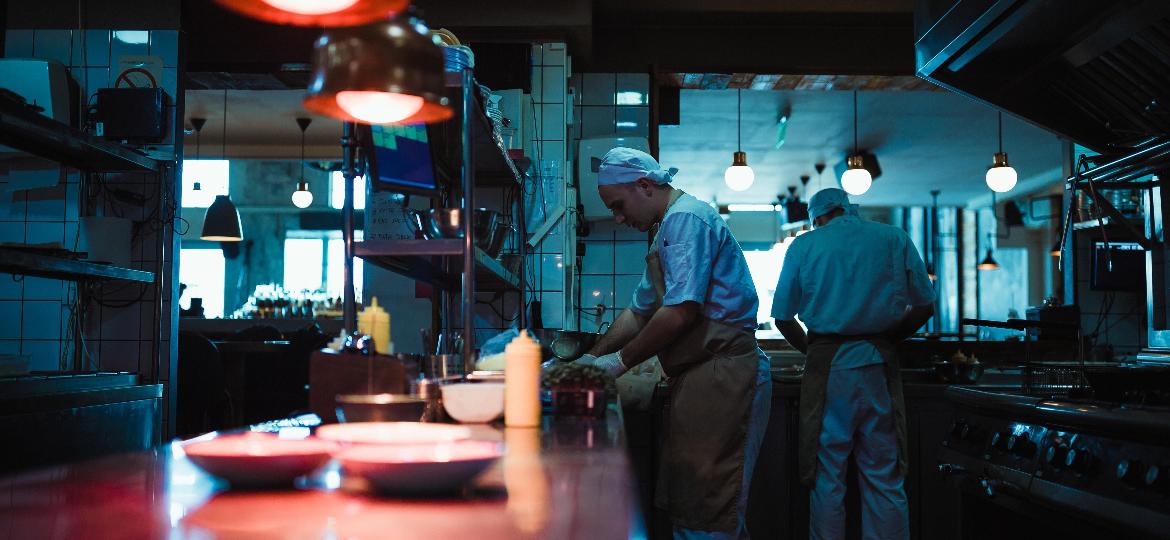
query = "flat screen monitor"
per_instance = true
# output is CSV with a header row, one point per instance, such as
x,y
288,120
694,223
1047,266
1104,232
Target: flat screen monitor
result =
x,y
1120,267
400,159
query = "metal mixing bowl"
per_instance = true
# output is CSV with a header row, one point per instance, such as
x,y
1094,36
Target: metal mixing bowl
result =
x,y
380,408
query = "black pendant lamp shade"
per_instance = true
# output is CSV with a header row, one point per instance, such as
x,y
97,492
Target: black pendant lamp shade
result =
x,y
988,262
384,73
222,221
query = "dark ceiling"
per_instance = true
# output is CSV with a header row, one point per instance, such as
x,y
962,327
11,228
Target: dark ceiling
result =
x,y
659,36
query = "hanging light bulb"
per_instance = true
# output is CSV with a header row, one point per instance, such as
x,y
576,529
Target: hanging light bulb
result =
x,y
739,176
385,73
302,197
1001,177
856,180
317,12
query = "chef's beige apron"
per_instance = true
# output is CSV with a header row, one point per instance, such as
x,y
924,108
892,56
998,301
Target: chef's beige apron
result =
x,y
712,370
822,348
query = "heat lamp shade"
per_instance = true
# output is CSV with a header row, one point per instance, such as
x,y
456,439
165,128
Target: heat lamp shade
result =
x,y
221,223
325,13
384,73
988,262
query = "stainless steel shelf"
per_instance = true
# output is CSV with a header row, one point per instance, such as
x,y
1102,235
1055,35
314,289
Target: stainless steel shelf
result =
x,y
27,131
493,167
18,261
419,260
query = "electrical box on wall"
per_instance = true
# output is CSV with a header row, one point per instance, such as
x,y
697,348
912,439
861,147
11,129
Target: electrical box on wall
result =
x,y
132,114
590,152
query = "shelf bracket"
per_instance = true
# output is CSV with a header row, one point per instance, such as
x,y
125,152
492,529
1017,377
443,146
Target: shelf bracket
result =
x,y
1116,216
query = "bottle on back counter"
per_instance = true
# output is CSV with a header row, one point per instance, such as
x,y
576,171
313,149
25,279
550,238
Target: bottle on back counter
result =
x,y
374,321
522,382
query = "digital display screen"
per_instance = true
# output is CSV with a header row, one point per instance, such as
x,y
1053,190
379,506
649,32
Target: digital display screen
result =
x,y
402,156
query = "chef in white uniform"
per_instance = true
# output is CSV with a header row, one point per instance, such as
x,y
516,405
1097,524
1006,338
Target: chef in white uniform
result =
x,y
860,287
695,308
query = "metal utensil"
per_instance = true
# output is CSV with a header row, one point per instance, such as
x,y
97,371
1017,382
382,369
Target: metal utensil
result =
x,y
565,345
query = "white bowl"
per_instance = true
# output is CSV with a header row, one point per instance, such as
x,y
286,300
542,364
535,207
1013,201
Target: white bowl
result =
x,y
392,433
258,459
420,468
474,403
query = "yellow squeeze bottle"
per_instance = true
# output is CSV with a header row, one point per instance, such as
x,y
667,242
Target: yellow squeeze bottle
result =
x,y
374,321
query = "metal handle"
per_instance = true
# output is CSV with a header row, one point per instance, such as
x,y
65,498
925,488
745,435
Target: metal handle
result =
x,y
947,469
990,486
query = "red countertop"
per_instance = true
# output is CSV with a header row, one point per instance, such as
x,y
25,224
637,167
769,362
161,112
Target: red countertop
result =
x,y
567,479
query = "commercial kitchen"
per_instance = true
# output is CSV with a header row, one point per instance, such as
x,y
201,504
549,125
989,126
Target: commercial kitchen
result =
x,y
584,269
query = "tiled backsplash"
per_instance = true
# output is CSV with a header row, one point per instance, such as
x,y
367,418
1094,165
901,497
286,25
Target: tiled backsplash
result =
x,y
36,314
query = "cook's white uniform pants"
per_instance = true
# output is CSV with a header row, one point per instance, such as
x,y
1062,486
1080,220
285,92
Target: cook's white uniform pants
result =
x,y
859,418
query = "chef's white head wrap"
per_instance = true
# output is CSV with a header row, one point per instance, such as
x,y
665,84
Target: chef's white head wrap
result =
x,y
626,165
827,200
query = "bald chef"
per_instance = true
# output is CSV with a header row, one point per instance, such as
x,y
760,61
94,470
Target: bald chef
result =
x,y
861,287
695,308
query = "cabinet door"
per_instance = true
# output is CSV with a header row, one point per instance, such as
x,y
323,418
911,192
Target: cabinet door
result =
x,y
934,503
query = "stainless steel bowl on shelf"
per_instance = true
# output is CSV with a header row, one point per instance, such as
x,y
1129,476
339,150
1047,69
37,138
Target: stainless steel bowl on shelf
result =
x,y
448,223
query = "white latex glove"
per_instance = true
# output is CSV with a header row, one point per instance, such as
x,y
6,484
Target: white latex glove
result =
x,y
611,364
586,360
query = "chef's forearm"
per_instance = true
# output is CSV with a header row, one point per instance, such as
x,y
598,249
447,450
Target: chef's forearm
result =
x,y
662,330
912,320
794,333
624,329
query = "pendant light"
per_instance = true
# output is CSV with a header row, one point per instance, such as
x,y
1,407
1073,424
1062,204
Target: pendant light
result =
x,y
739,176
988,262
221,223
856,179
385,73
197,125
302,197
1001,177
316,12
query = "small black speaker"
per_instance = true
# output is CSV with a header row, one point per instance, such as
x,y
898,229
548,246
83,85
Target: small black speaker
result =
x,y
132,114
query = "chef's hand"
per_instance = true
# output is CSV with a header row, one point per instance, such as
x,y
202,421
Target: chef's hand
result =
x,y
586,360
611,364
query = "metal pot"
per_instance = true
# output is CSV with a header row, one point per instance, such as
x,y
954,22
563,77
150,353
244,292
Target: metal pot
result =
x,y
380,408
565,345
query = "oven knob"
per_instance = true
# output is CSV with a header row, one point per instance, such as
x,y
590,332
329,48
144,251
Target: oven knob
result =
x,y
1078,460
1021,446
1056,455
958,427
1131,472
1156,478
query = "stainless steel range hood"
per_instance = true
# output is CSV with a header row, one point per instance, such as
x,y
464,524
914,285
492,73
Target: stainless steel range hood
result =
x,y
1097,72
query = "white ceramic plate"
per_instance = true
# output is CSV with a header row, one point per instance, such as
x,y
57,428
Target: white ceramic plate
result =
x,y
259,459
395,433
420,468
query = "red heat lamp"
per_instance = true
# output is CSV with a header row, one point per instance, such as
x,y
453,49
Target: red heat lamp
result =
x,y
326,13
384,73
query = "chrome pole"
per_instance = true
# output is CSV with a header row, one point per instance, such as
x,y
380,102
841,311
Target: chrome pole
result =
x,y
349,305
468,209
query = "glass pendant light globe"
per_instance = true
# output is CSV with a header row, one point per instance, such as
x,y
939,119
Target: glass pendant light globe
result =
x,y
311,7
856,180
739,177
378,107
1001,177
302,197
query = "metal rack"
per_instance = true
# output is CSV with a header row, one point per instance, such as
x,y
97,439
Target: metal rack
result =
x,y
27,132
482,159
